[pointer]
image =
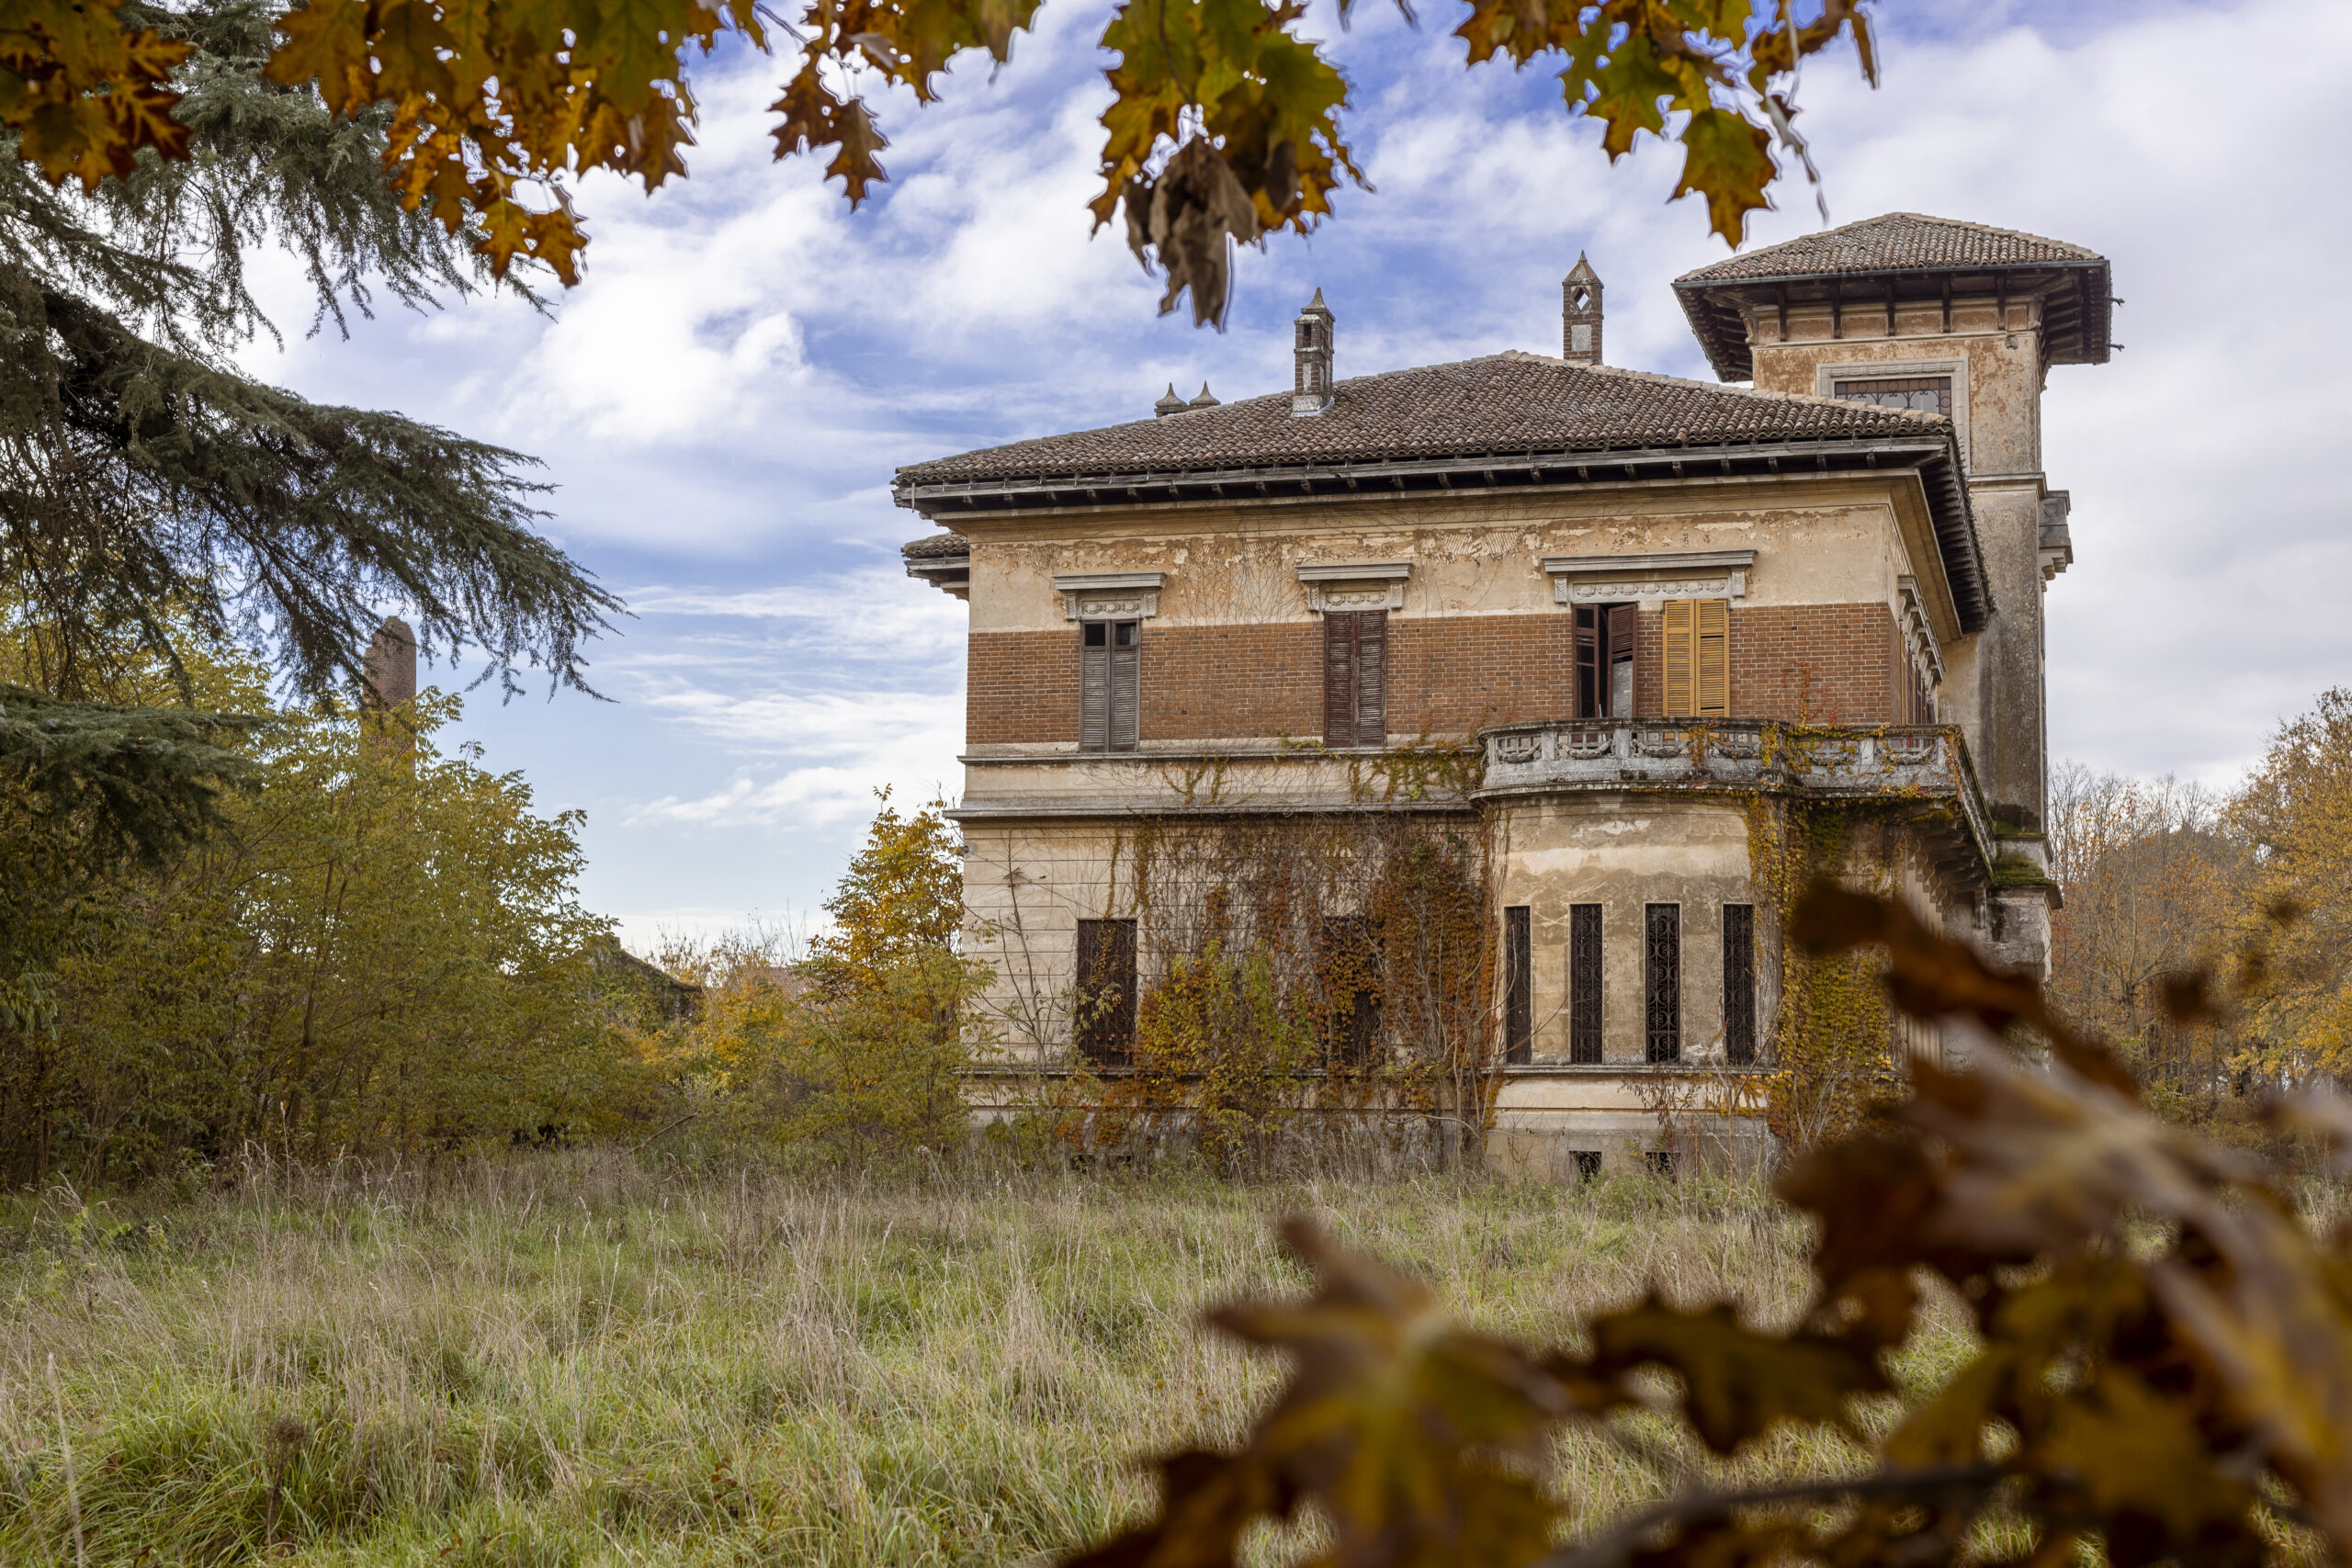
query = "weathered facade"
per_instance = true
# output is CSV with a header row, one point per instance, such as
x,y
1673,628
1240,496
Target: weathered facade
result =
x,y
1620,630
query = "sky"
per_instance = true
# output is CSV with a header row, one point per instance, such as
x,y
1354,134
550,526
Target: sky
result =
x,y
721,402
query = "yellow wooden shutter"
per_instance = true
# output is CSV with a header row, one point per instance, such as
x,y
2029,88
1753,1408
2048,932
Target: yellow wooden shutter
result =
x,y
1714,659
1681,658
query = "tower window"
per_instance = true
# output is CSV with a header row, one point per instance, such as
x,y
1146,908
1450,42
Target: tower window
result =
x,y
1662,982
1109,685
1922,394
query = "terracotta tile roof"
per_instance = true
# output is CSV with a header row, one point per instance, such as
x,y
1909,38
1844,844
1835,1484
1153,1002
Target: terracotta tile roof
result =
x,y
934,545
1898,241
1908,255
1504,404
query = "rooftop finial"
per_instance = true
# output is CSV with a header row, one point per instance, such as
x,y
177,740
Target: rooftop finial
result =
x,y
1310,389
1168,403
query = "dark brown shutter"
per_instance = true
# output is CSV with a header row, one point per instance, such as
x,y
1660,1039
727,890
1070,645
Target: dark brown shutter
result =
x,y
1592,686
1624,643
1662,982
1371,678
1093,687
1739,982
1584,983
1338,678
1126,685
1519,985
1104,1012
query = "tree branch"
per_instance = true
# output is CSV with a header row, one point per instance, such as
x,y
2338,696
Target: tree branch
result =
x,y
1616,1548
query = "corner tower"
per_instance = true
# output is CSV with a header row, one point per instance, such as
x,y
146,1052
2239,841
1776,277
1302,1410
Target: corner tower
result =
x,y
1964,322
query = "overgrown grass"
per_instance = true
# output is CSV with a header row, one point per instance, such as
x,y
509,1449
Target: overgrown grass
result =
x,y
574,1358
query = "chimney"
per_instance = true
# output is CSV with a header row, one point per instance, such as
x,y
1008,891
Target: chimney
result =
x,y
1168,403
1207,400
1310,390
1580,314
392,666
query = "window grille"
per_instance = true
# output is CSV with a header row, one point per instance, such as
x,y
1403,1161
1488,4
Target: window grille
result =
x,y
1662,981
1584,983
1739,982
1924,394
1102,1016
1587,1165
1519,985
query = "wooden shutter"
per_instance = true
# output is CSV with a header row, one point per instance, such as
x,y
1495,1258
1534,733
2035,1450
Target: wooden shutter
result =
x,y
1681,658
1624,641
1338,678
1094,687
1592,685
1519,985
1713,657
1372,677
1126,685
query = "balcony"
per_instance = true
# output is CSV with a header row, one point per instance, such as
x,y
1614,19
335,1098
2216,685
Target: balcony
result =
x,y
1926,763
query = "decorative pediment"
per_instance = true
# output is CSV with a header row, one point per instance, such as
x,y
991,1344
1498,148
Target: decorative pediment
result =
x,y
1110,595
1648,580
1355,585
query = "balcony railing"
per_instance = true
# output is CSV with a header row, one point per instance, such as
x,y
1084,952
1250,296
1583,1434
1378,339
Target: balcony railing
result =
x,y
1925,762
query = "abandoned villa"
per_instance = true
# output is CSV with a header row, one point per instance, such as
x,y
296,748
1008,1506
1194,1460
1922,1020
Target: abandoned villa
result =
x,y
1561,673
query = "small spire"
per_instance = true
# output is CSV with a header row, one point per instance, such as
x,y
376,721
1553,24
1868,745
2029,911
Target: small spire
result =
x,y
1580,314
1168,404
1207,400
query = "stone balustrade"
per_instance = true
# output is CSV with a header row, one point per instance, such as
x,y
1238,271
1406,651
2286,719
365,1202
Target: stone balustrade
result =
x,y
1927,763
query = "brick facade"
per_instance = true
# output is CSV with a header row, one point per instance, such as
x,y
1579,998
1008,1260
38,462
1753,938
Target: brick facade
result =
x,y
1822,663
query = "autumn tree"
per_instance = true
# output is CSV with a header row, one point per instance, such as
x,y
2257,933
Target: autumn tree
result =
x,y
2155,878
2296,813
1223,125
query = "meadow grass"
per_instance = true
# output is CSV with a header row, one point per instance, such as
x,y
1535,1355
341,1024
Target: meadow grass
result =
x,y
575,1358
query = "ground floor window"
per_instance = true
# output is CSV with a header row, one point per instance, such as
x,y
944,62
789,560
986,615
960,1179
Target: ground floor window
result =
x,y
1518,984
1102,1016
1739,982
1584,983
1662,981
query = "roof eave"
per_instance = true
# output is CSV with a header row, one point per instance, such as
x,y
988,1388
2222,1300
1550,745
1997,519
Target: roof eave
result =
x,y
1933,454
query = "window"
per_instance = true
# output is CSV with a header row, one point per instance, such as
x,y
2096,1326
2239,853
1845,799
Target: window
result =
x,y
1739,982
1927,394
1519,985
1584,982
1607,638
1661,1162
1109,684
1588,1164
1103,1017
1697,658
1348,960
1355,678
1662,981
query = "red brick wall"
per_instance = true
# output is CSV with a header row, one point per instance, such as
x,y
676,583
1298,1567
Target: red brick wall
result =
x,y
1827,663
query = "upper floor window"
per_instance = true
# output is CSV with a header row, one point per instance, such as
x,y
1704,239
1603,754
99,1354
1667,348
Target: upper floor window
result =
x,y
1355,677
1607,637
1924,394
1109,685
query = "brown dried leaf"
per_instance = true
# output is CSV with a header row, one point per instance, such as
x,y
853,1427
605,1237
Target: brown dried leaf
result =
x,y
1736,1384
